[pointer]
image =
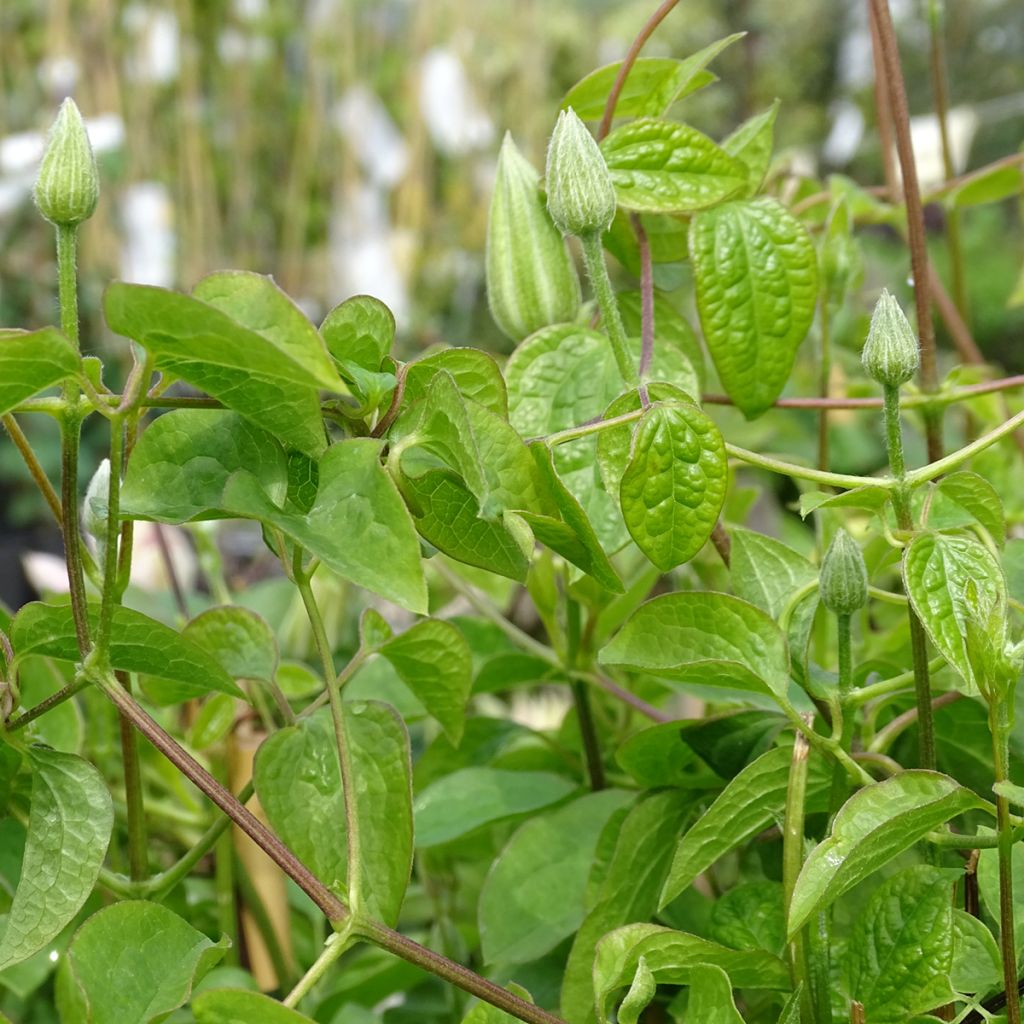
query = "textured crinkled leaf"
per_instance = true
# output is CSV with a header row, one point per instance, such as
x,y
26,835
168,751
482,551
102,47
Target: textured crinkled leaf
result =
x,y
433,660
544,869
751,143
132,963
137,644
69,827
756,279
876,824
673,338
275,387
673,488
31,361
472,797
711,996
675,958
445,514
703,637
666,167
936,571
641,992
358,525
237,638
625,890
974,498
475,373
299,785
237,1006
178,468
359,331
977,964
901,948
750,802
751,916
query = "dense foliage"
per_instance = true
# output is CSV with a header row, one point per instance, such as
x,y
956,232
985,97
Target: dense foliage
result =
x,y
778,782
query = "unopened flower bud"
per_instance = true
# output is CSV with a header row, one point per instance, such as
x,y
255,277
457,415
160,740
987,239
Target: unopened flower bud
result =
x,y
843,581
890,354
581,196
531,280
68,185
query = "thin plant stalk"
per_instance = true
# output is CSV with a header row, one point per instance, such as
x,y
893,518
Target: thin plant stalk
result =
x,y
844,647
792,861
611,318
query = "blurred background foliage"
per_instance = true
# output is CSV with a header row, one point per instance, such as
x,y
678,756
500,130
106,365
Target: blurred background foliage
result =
x,y
349,146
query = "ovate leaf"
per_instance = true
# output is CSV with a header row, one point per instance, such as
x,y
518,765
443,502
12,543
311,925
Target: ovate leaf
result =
x,y
359,332
132,963
485,1013
964,498
475,373
237,1006
242,642
68,831
673,487
31,361
751,916
706,638
756,278
433,660
666,167
651,86
901,948
876,824
137,644
711,996
751,142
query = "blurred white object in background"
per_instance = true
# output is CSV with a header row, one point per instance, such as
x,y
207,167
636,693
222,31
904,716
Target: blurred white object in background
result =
x,y
456,122
368,257
845,136
59,75
147,223
366,126
962,124
156,55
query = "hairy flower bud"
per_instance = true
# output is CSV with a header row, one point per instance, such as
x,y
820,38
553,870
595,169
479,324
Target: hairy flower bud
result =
x,y
531,279
843,580
581,196
890,354
68,185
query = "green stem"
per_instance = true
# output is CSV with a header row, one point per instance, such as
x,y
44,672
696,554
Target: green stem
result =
x,y
581,698
824,379
792,861
38,474
940,467
893,685
45,705
840,785
337,943
1000,727
611,319
138,859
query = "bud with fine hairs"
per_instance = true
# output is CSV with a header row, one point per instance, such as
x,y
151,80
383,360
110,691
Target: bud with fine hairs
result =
x,y
843,581
68,185
581,195
890,354
531,279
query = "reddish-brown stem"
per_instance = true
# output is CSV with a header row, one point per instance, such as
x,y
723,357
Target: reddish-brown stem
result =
x,y
627,65
889,68
635,702
172,573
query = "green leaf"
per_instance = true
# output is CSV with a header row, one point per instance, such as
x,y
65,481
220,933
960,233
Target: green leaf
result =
x,y
545,865
470,798
901,947
69,828
988,887
876,824
751,142
666,167
627,891
137,644
963,498
869,498
991,185
751,801
673,487
132,963
299,785
711,996
238,639
677,958
639,996
657,756
705,638
977,963
433,660
216,718
31,361
651,87
475,373
729,742
751,916
756,278
256,373
358,526
937,569
484,1013
359,332
178,469
791,1011
445,514
236,1006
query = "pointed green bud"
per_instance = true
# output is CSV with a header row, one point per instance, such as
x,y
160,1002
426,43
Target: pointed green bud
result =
x,y
531,279
890,354
843,581
68,185
581,196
